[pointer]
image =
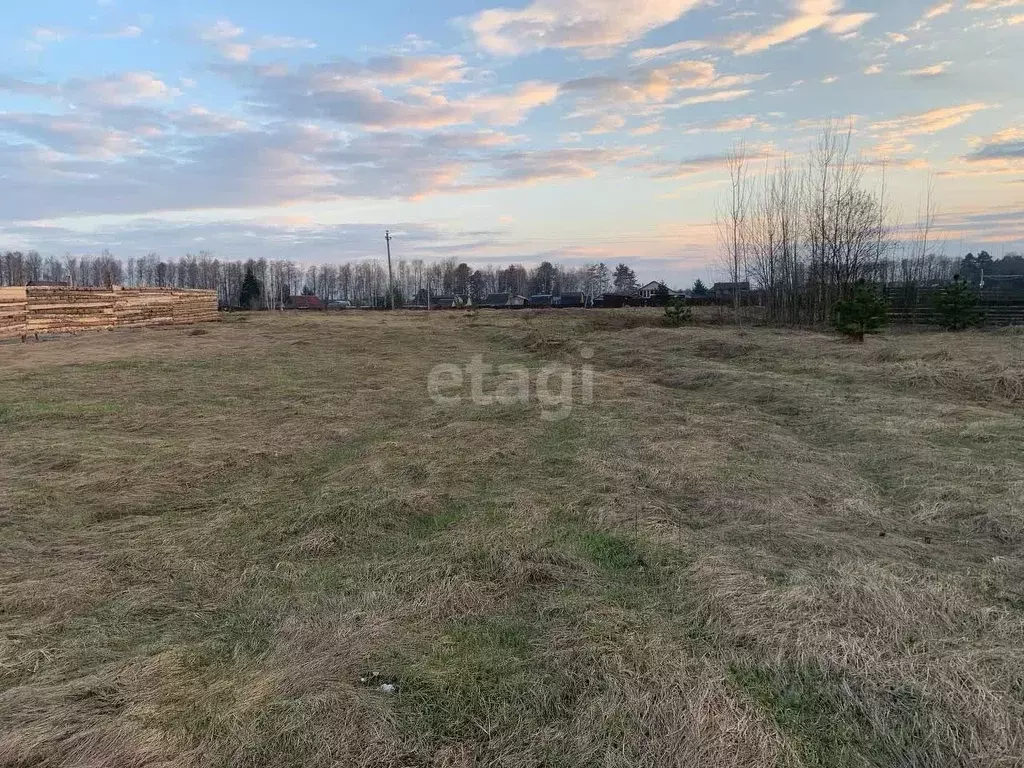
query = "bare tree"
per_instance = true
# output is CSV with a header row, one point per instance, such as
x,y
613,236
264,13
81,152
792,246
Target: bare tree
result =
x,y
731,220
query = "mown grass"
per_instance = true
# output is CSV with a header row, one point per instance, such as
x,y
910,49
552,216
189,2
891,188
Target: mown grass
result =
x,y
754,548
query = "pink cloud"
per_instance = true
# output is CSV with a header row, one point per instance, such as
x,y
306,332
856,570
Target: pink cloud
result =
x,y
597,27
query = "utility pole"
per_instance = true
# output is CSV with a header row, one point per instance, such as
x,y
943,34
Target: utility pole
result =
x,y
391,286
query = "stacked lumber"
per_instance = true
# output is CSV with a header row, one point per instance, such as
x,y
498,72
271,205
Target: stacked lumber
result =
x,y
144,307
59,309
69,310
13,305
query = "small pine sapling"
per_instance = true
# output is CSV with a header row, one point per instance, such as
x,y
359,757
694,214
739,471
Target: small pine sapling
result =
x,y
677,312
957,305
864,312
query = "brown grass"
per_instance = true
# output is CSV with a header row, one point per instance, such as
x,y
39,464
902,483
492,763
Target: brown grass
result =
x,y
755,548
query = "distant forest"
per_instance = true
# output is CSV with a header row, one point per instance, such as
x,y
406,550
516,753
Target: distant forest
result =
x,y
365,283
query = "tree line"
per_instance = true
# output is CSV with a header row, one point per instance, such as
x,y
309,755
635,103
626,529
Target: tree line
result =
x,y
269,283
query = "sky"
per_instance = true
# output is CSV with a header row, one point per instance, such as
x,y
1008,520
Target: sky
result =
x,y
569,130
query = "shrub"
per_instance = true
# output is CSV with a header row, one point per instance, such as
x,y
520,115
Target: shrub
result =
x,y
957,305
864,312
677,312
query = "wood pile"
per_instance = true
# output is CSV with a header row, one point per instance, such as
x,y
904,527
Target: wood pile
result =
x,y
55,309
13,304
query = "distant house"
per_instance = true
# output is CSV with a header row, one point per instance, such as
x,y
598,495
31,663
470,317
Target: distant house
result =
x,y
652,288
497,300
569,300
540,300
727,290
305,303
339,304
445,302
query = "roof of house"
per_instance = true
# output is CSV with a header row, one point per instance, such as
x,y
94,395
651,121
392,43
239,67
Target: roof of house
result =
x,y
498,299
653,285
306,302
744,285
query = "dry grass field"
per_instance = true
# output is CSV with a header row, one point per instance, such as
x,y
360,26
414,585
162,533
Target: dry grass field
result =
x,y
753,548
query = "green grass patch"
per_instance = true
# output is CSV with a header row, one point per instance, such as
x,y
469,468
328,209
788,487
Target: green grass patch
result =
x,y
481,673
610,551
424,526
827,717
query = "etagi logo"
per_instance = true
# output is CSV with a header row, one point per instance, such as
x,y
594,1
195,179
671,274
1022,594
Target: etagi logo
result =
x,y
553,385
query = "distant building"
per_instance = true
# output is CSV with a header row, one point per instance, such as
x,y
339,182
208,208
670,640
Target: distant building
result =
x,y
727,290
569,300
614,301
540,300
305,303
339,304
445,302
498,300
652,288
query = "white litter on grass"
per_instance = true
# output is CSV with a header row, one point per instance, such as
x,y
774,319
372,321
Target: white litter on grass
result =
x,y
387,688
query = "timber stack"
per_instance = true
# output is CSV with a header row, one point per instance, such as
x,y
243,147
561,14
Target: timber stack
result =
x,y
60,309
13,305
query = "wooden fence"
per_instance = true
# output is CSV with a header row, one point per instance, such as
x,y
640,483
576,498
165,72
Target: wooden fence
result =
x,y
55,309
912,305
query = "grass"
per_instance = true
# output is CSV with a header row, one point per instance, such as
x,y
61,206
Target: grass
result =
x,y
755,547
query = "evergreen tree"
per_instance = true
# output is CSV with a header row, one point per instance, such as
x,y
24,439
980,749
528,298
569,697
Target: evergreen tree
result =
x,y
699,289
251,290
677,312
864,312
957,306
624,279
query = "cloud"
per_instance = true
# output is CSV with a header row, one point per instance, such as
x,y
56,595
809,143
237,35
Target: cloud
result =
x,y
201,121
729,125
219,32
807,16
286,237
933,70
70,134
28,88
519,168
661,86
347,93
646,54
714,98
44,36
235,51
932,121
260,167
607,124
874,69
939,9
1007,144
226,37
984,5
689,167
597,27
648,129
125,32
120,90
